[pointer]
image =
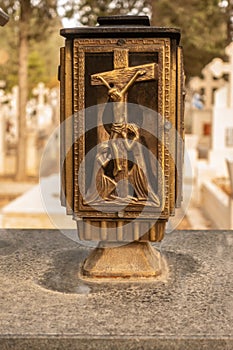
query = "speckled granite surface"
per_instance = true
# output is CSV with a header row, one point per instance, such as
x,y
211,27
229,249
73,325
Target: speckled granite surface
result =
x,y
45,305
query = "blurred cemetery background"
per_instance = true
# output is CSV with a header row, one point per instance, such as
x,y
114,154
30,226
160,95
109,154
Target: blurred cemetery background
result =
x,y
29,106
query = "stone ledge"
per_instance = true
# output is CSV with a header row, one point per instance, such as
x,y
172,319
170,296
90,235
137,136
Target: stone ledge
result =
x,y
45,305
114,343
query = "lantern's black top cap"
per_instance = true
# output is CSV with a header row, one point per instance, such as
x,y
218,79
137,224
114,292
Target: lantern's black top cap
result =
x,y
122,26
123,21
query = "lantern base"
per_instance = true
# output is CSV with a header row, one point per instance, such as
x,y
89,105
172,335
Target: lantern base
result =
x,y
133,260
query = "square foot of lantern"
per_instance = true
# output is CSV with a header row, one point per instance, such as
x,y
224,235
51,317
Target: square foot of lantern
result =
x,y
133,260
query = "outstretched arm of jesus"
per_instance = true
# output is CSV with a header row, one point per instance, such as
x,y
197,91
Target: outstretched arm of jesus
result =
x,y
103,81
132,80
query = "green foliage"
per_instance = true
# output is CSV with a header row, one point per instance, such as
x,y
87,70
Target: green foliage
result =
x,y
201,22
9,43
202,25
31,22
203,29
43,40
36,68
89,10
37,13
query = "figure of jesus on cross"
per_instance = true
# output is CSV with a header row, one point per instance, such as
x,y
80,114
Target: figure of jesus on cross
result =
x,y
119,127
118,83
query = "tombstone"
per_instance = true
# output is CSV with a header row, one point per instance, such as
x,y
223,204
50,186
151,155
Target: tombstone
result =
x,y
32,210
216,203
11,130
230,173
54,101
31,117
199,111
222,130
121,185
4,18
8,134
205,86
12,117
39,121
219,68
190,162
43,109
2,135
41,92
33,159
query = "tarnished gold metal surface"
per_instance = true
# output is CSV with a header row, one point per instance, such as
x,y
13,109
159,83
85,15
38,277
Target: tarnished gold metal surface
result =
x,y
124,137
180,126
161,74
104,75
134,260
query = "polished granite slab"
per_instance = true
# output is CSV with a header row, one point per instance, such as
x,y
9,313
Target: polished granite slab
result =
x,y
46,305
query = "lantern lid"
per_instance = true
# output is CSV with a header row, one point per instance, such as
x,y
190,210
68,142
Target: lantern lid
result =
x,y
123,20
119,26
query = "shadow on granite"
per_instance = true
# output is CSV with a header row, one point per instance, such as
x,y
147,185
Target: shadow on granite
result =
x,y
63,276
45,304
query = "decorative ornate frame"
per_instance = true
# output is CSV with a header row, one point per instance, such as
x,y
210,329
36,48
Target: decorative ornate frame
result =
x,y
166,109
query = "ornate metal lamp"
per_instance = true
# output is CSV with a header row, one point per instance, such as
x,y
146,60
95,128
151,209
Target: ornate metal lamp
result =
x,y
121,140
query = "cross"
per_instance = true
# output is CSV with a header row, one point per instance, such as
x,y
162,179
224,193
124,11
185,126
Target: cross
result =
x,y
41,91
118,81
208,84
218,68
122,73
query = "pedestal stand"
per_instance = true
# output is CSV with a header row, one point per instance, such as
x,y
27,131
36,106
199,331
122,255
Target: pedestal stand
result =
x,y
136,259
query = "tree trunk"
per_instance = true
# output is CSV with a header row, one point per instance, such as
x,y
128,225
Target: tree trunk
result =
x,y
23,89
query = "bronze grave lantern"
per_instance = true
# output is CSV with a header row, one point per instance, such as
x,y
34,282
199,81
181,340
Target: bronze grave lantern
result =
x,y
122,136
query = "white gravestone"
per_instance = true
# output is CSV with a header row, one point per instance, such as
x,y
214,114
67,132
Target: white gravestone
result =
x,y
8,132
39,119
12,117
2,133
199,112
218,67
44,111
39,207
222,129
208,84
54,102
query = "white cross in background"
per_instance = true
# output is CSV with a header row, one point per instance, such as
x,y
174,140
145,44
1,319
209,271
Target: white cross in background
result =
x,y
41,91
218,67
208,84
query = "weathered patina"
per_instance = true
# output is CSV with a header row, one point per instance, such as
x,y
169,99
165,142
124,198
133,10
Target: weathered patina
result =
x,y
122,140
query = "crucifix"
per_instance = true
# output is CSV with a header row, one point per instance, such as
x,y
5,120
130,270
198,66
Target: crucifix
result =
x,y
118,82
